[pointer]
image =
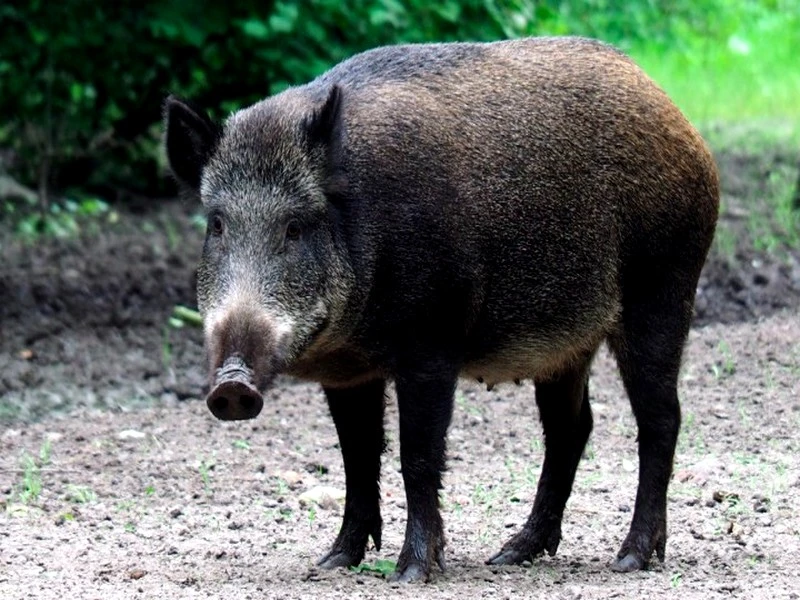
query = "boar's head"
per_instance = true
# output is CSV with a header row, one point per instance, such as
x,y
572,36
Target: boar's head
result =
x,y
274,275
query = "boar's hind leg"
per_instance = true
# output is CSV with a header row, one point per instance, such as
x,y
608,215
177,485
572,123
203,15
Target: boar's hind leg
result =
x,y
567,422
648,345
425,402
358,416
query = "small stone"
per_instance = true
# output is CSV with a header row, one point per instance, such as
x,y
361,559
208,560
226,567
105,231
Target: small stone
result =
x,y
131,434
761,503
719,411
721,496
176,512
317,469
323,496
700,472
291,477
575,592
735,529
136,573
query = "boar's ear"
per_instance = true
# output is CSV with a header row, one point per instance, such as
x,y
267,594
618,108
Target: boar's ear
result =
x,y
322,127
323,130
191,138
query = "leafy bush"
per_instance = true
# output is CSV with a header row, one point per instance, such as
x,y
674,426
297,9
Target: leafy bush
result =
x,y
82,81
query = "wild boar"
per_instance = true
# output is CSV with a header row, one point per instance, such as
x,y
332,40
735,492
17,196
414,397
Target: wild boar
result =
x,y
424,212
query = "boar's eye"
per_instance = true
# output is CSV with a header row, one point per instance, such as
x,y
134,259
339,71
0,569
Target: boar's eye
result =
x,y
215,224
293,231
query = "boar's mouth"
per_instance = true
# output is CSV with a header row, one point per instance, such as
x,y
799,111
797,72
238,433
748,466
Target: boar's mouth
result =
x,y
234,396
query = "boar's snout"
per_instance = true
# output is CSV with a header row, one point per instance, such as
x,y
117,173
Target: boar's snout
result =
x,y
234,396
244,355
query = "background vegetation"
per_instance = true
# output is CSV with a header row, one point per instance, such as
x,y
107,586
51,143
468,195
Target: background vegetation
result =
x,y
82,81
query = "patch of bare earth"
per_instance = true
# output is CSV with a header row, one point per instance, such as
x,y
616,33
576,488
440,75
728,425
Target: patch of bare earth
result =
x,y
167,502
116,481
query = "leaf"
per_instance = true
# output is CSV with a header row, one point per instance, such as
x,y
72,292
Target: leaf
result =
x,y
380,567
187,315
192,34
284,19
75,91
255,29
449,11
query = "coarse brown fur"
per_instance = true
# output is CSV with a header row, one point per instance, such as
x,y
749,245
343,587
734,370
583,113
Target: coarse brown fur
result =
x,y
491,210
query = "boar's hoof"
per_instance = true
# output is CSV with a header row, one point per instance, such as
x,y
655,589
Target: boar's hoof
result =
x,y
636,551
509,557
412,572
528,544
336,558
628,563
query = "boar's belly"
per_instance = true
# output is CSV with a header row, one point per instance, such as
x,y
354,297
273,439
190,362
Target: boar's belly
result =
x,y
532,357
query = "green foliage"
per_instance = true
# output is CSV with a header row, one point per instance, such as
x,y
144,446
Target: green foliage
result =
x,y
30,488
82,82
61,219
380,568
80,494
182,315
738,64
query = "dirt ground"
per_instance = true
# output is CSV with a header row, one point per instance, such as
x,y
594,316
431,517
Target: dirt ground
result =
x,y
116,481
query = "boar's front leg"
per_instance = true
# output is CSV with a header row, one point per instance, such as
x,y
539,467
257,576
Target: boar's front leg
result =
x,y
425,402
358,416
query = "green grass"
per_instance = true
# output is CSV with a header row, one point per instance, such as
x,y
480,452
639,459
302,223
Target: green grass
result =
x,y
750,74
676,579
79,494
30,488
740,85
725,366
204,468
241,444
759,163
